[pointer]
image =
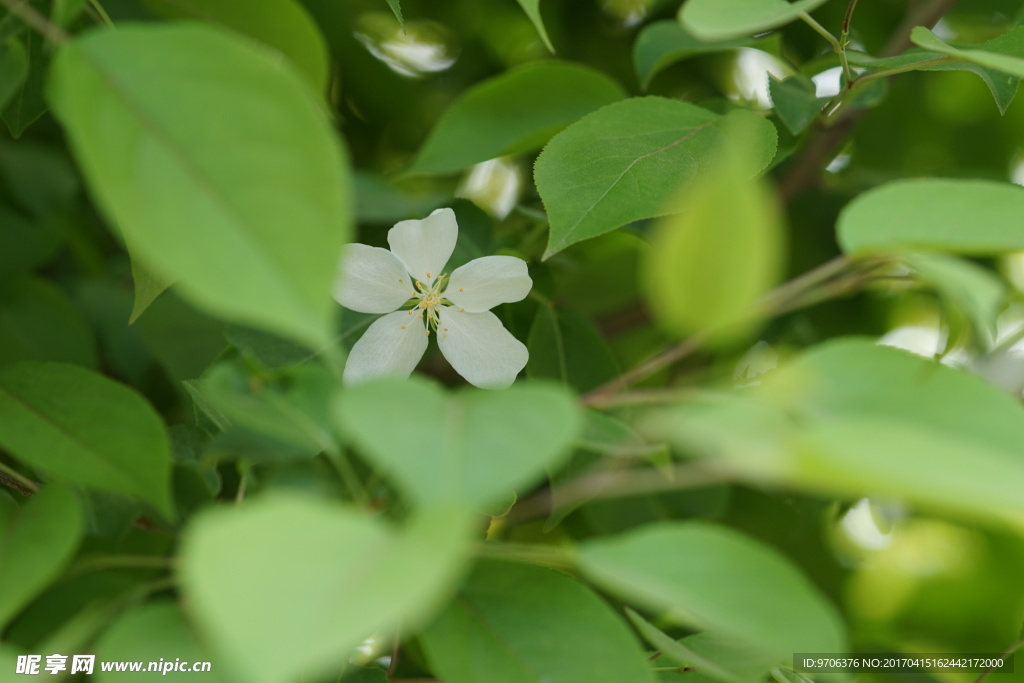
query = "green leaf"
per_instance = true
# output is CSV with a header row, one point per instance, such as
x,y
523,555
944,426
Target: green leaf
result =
x,y
38,322
663,43
282,25
513,113
268,202
532,9
151,632
396,7
25,244
977,217
472,447
41,178
967,289
795,101
184,340
287,586
489,632
1004,53
725,19
711,577
36,544
565,346
66,11
626,161
27,103
711,262
148,286
13,69
57,418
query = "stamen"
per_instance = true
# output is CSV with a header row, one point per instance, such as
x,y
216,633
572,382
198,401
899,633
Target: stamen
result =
x,y
460,289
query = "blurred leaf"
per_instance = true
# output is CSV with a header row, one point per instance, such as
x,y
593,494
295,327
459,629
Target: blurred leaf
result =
x,y
57,418
36,544
663,43
565,346
286,586
41,178
725,19
25,244
184,340
151,632
282,25
488,632
27,103
148,286
252,158
784,674
513,113
471,447
626,161
13,69
270,351
358,674
962,216
38,322
795,101
378,201
532,9
1003,53
711,577
396,7
66,11
712,261
966,288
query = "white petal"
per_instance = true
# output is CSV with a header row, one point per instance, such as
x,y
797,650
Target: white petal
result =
x,y
425,246
392,346
483,283
480,348
371,280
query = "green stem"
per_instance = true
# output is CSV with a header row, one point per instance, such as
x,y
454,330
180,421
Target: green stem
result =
x,y
14,479
1009,651
838,45
98,8
95,564
547,555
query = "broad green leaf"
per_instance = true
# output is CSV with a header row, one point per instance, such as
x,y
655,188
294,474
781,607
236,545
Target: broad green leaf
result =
x,y
489,632
285,586
36,544
515,112
240,193
725,19
795,101
977,217
396,7
38,322
663,43
27,103
151,632
565,346
58,418
1004,53
282,25
626,162
711,577
471,447
851,418
712,261
13,69
24,243
967,289
532,9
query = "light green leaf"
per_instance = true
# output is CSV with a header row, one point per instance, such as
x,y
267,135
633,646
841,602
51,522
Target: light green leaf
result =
x,y
396,7
712,261
472,447
532,9
151,632
977,217
489,632
711,577
286,586
1004,53
282,25
57,418
38,322
513,113
239,193
725,19
36,544
967,289
795,101
626,162
663,43
13,69
565,346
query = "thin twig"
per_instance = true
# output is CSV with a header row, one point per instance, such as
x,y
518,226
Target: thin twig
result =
x,y
37,21
1009,651
11,478
927,16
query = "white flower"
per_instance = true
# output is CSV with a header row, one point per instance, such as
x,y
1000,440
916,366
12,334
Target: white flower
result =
x,y
456,308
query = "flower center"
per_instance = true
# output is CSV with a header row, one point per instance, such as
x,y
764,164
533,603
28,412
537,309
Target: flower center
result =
x,y
429,300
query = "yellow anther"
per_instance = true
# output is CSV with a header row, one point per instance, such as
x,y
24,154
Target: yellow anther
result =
x,y
462,310
428,276
460,289
428,333
403,327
